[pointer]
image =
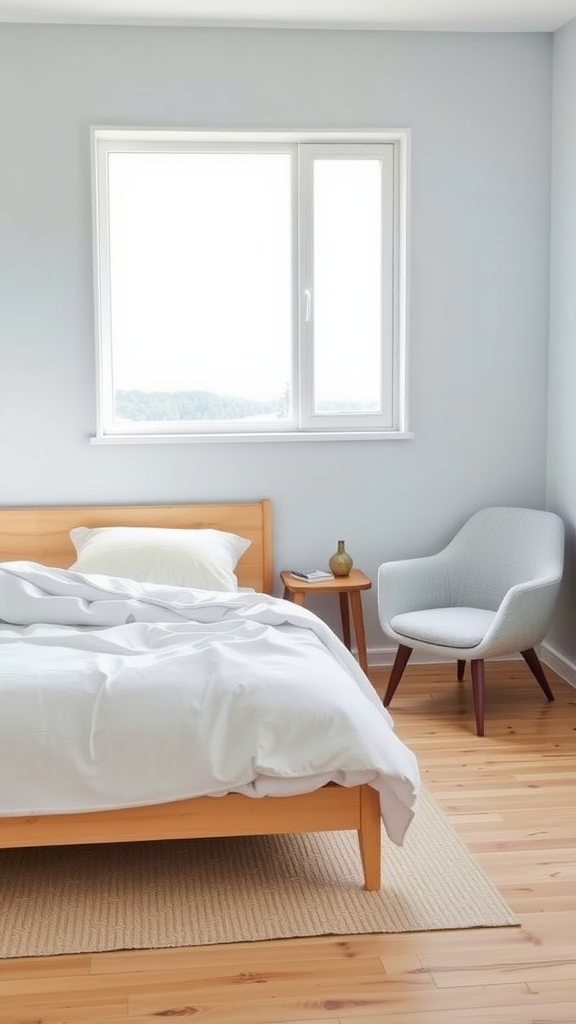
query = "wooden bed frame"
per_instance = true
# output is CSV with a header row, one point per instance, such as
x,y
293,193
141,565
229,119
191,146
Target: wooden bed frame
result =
x,y
42,535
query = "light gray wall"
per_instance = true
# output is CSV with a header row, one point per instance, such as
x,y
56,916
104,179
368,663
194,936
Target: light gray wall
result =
x,y
562,405
479,110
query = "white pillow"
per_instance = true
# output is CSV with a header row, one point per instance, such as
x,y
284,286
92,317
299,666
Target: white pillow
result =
x,y
205,559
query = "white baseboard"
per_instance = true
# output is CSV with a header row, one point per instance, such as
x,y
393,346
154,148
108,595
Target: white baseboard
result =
x,y
379,657
558,662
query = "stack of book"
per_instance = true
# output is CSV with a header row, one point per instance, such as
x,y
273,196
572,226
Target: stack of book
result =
x,y
312,575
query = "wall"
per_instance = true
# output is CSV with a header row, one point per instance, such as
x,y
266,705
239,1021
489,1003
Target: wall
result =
x,y
562,376
479,110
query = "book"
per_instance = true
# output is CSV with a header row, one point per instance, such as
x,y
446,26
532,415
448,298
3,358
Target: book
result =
x,y
312,575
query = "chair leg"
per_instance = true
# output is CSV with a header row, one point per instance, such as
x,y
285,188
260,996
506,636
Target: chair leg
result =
x,y
461,669
400,661
533,662
477,667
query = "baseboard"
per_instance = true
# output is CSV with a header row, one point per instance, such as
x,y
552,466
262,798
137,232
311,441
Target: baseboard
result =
x,y
380,657
558,662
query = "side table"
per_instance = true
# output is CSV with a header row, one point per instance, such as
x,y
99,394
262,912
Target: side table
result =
x,y
349,590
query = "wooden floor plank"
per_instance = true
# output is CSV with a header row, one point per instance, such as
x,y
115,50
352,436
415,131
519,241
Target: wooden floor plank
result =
x,y
551,1013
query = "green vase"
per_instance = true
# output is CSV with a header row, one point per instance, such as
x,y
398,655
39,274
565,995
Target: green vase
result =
x,y
340,563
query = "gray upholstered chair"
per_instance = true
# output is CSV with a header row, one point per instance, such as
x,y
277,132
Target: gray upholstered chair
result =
x,y
490,592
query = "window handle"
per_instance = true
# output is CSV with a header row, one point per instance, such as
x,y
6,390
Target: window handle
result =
x,y
308,305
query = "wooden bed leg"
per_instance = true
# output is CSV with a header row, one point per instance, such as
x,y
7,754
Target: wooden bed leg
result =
x,y
370,837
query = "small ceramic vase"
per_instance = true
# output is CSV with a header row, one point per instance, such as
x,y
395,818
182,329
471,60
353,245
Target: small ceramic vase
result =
x,y
340,563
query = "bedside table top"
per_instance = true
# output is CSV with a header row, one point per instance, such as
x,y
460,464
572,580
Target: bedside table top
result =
x,y
356,580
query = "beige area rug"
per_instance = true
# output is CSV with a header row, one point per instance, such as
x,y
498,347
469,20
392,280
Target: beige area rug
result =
x,y
178,893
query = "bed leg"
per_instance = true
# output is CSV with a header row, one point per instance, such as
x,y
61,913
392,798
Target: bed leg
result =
x,y
370,837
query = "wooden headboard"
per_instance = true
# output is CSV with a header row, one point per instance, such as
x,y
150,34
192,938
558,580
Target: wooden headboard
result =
x,y
42,534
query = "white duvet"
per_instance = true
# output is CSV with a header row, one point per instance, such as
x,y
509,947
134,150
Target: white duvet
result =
x,y
115,693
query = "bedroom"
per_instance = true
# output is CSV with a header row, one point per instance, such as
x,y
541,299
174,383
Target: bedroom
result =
x,y
491,302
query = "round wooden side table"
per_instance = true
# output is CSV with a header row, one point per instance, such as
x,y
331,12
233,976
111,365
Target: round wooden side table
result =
x,y
349,590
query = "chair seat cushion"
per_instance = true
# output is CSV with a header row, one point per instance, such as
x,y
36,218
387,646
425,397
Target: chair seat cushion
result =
x,y
447,627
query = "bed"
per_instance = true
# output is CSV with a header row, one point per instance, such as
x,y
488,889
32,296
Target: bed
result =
x,y
35,545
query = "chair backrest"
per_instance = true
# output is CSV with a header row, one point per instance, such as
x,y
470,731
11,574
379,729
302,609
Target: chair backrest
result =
x,y
500,547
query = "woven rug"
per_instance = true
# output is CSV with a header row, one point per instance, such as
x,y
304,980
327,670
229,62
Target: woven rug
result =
x,y
176,893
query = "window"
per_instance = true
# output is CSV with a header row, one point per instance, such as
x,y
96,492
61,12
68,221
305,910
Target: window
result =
x,y
249,285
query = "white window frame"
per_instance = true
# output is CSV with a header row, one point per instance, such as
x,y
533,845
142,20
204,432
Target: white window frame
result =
x,y
392,422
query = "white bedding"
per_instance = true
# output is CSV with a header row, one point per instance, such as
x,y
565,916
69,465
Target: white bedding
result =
x,y
115,693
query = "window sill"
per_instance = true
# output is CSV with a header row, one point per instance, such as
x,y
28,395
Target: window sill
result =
x,y
342,435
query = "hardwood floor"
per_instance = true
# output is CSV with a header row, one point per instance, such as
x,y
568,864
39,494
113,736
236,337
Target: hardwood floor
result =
x,y
510,795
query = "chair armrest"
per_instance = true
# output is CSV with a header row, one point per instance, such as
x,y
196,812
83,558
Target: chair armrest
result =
x,y
523,618
411,585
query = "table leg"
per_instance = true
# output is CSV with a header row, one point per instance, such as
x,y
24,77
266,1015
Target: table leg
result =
x,y
345,615
299,597
358,619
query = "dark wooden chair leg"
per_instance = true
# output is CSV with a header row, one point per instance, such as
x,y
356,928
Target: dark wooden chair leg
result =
x,y
400,661
461,669
477,667
533,662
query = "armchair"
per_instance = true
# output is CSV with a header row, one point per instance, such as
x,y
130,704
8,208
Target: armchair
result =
x,y
490,592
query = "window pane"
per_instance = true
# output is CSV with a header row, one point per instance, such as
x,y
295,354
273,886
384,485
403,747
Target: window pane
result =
x,y
201,285
347,286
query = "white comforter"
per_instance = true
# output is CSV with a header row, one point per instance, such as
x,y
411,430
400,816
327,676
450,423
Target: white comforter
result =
x,y
115,693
